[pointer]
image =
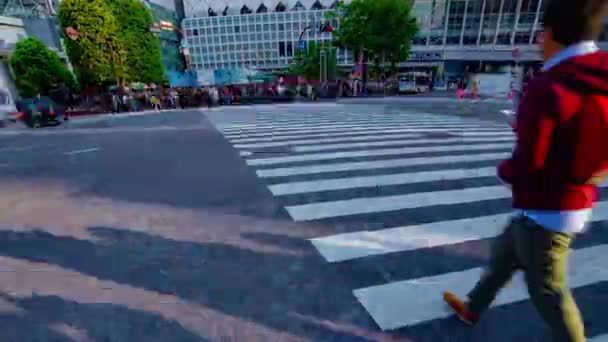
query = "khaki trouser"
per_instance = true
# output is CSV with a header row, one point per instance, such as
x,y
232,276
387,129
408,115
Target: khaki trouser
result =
x,y
542,255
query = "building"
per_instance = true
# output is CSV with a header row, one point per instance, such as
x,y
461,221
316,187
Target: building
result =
x,y
454,34
12,30
170,40
259,35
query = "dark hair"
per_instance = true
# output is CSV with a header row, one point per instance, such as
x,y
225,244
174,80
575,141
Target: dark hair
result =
x,y
572,21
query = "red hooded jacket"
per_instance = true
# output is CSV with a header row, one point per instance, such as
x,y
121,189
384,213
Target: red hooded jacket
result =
x,y
562,136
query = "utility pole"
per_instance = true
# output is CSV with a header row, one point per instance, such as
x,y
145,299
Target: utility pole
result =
x,y
323,65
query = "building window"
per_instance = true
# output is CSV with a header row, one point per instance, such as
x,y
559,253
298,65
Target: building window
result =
x,y
289,49
282,49
281,27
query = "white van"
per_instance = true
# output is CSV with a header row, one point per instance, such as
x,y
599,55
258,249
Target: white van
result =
x,y
7,106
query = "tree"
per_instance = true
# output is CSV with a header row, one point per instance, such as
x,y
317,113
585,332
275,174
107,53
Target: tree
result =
x,y
97,54
309,64
35,67
383,29
142,47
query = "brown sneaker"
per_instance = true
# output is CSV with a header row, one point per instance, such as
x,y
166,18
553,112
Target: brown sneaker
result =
x,y
460,309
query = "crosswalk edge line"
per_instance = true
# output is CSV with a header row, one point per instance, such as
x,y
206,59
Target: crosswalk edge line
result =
x,y
369,205
349,246
390,305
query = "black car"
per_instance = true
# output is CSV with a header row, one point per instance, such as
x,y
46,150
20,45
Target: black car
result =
x,y
38,112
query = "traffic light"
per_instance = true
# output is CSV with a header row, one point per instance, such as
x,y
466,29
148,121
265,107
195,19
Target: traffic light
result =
x,y
326,27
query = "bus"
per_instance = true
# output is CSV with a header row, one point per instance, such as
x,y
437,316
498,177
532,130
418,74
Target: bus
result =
x,y
414,82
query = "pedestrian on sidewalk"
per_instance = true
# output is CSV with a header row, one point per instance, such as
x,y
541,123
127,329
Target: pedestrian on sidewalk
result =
x,y
559,160
155,102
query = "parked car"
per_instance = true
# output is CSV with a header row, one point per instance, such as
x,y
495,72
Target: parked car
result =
x,y
7,106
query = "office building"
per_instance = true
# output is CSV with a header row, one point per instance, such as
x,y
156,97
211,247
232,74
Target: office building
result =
x,y
263,34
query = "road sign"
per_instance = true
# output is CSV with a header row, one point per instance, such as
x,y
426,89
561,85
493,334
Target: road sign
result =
x,y
302,45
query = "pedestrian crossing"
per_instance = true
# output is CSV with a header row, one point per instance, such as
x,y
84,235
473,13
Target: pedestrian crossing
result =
x,y
398,182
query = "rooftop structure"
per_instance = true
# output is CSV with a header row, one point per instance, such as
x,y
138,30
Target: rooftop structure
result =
x,y
200,8
28,8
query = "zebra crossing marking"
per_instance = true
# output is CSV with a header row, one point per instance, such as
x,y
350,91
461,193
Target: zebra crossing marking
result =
x,y
392,305
367,205
348,246
326,140
453,132
375,153
309,122
425,128
303,187
377,164
317,148
412,300
599,338
340,124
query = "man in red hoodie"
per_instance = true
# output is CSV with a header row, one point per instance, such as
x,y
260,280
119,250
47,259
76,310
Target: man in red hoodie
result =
x,y
560,158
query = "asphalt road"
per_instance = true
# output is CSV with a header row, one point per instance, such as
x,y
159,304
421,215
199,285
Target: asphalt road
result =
x,y
154,228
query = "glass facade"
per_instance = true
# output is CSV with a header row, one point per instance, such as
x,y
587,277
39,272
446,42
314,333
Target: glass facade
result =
x,y
261,40
269,38
477,22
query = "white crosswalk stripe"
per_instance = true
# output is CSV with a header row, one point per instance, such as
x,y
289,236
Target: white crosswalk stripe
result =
x,y
431,177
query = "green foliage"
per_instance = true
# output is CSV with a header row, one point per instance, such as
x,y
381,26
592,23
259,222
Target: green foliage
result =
x,y
309,64
384,29
143,57
98,55
115,45
35,67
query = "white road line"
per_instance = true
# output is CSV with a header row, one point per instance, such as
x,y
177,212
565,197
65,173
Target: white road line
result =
x,y
348,246
307,120
378,164
423,128
19,149
329,147
321,210
409,302
338,123
326,140
478,134
342,126
374,132
599,338
88,150
376,153
282,189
